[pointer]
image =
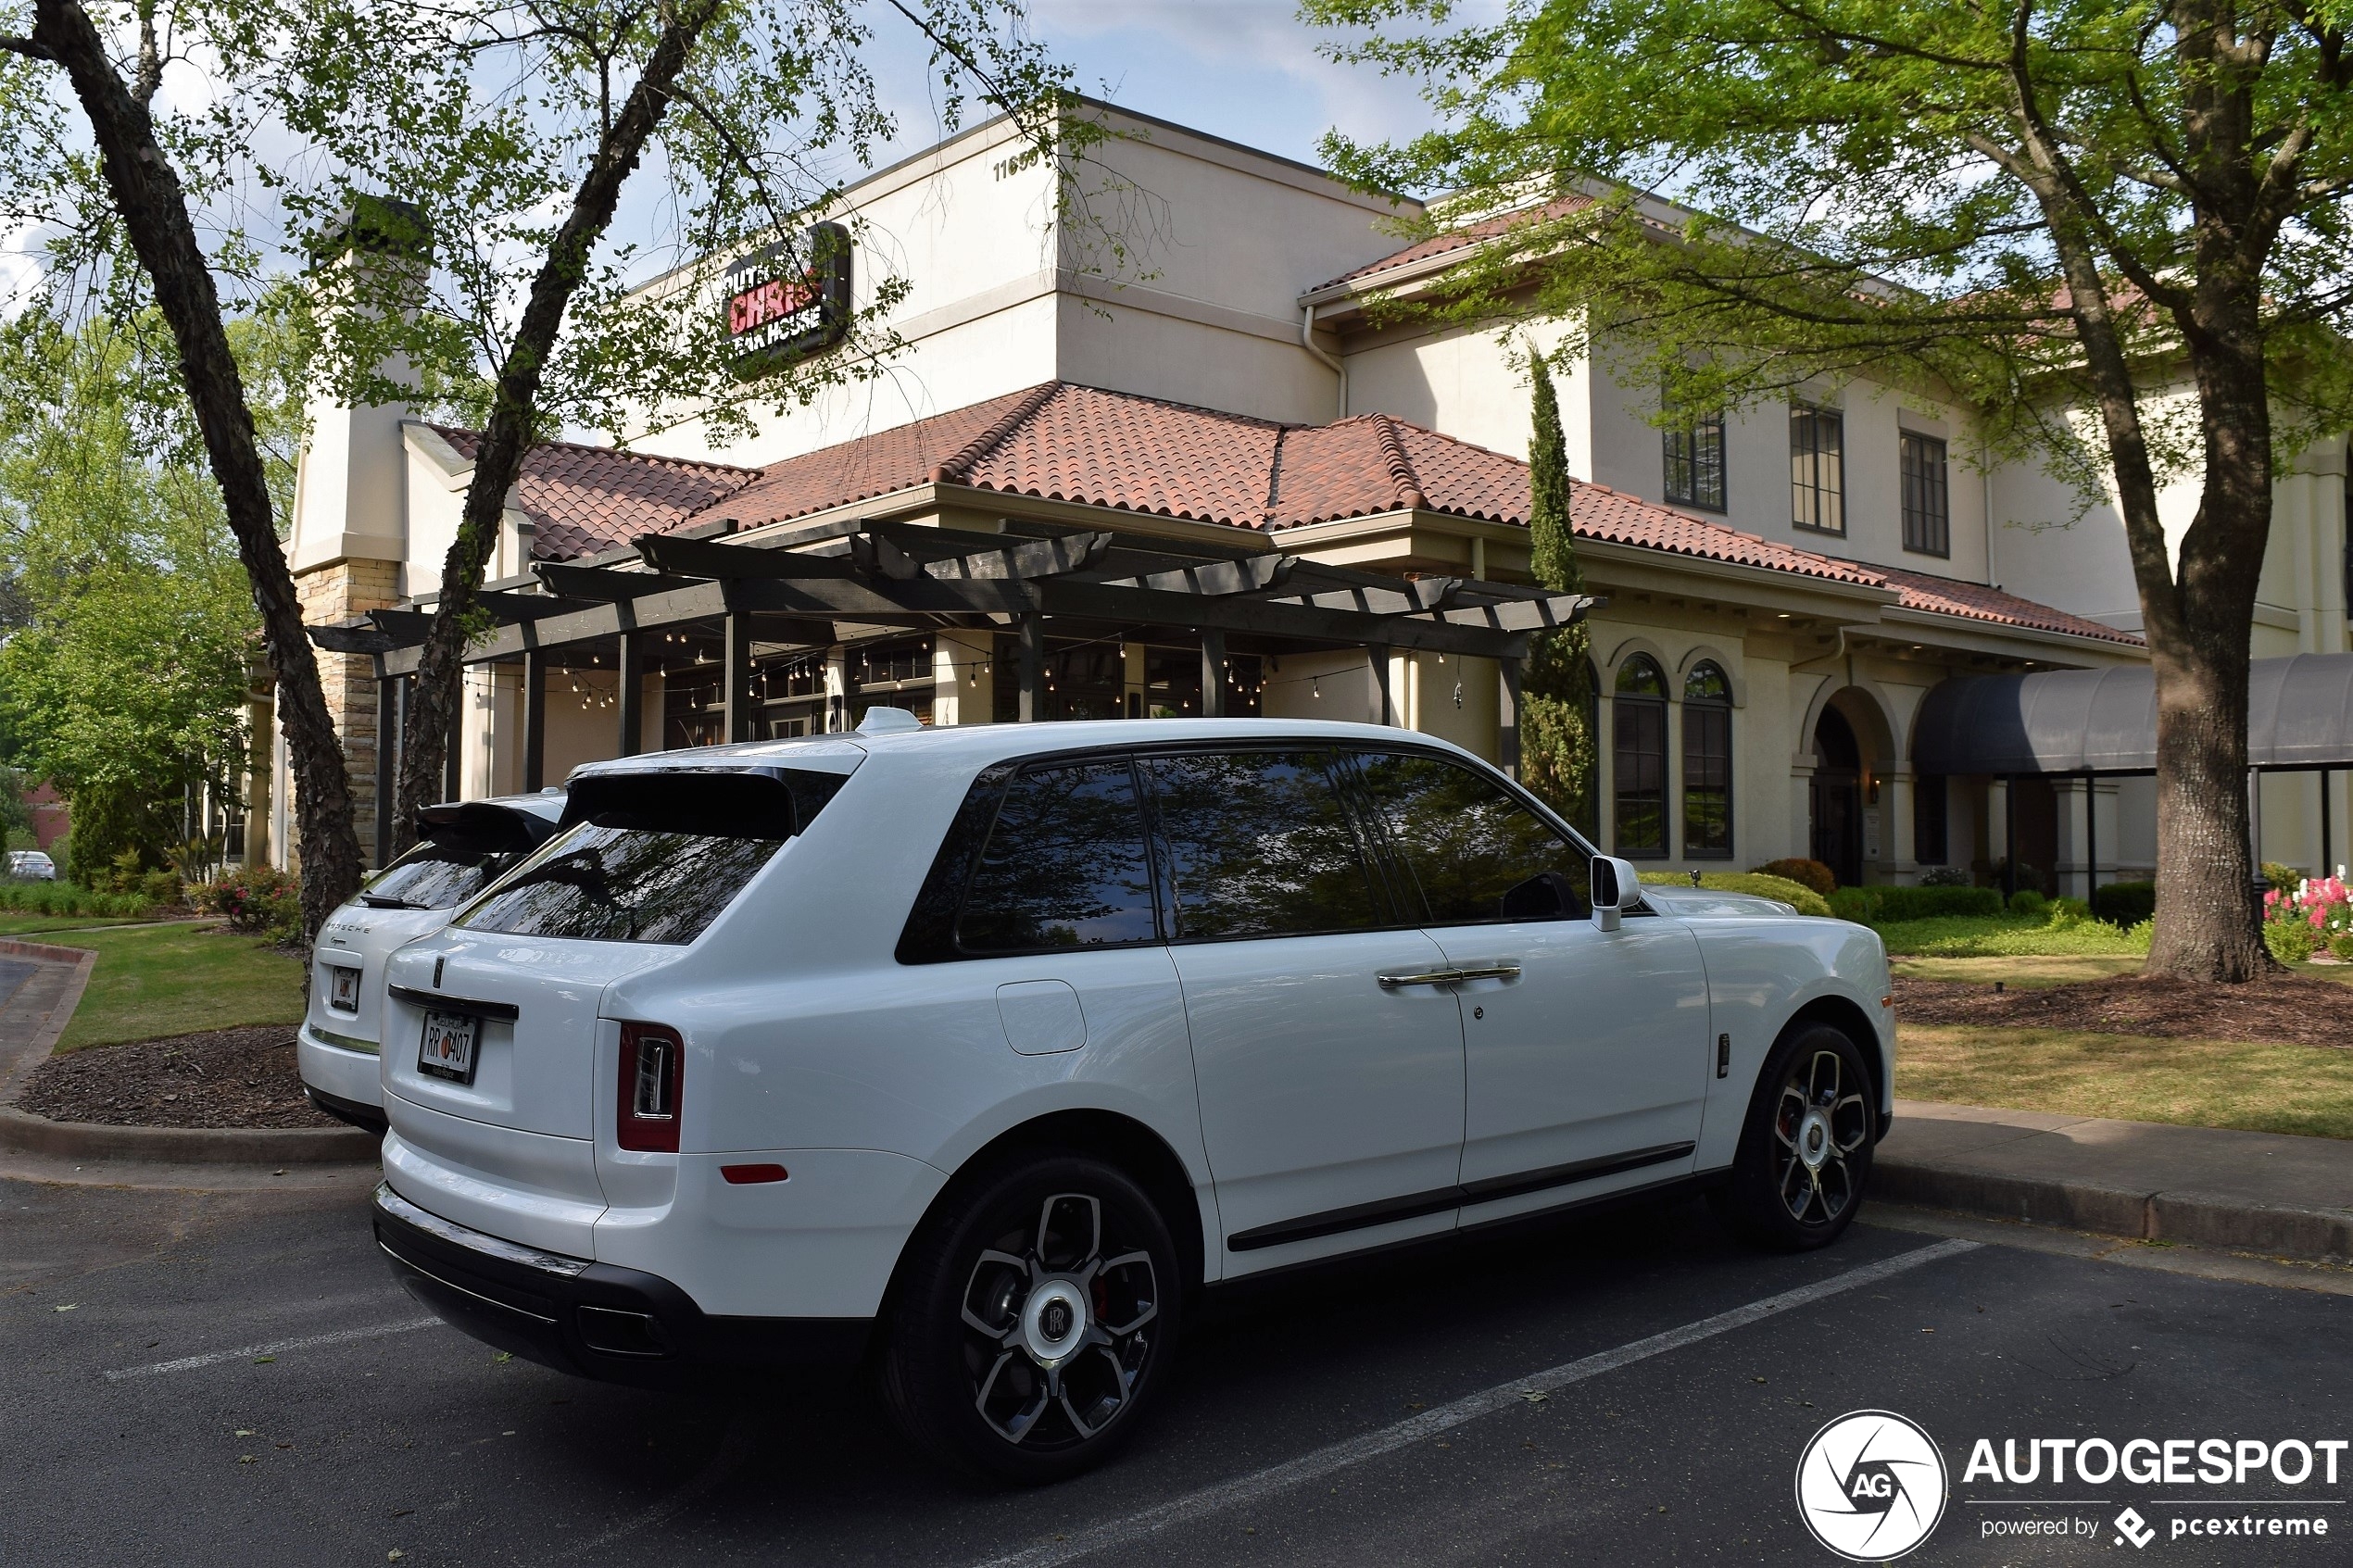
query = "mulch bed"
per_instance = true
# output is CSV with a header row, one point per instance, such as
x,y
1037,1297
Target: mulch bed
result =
x,y
2285,1009
222,1078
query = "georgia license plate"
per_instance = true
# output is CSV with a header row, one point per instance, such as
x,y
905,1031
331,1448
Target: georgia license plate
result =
x,y
448,1048
342,987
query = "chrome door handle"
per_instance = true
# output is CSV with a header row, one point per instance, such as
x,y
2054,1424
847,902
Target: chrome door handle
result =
x,y
1489,972
1392,979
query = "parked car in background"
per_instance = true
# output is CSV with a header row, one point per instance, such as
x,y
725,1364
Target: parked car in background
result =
x,y
32,865
463,847
977,1054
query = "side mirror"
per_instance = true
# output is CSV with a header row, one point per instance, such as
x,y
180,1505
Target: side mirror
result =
x,y
1617,888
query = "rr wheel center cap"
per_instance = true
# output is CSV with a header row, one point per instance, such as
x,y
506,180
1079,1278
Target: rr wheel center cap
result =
x,y
1814,1140
1054,1323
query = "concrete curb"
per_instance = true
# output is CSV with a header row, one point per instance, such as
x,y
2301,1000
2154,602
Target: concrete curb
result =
x,y
27,1133
2199,1219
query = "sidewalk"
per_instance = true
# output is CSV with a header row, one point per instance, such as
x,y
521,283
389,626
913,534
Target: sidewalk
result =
x,y
2257,1192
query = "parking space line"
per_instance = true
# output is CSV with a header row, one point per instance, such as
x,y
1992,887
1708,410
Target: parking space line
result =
x,y
341,1336
1372,1445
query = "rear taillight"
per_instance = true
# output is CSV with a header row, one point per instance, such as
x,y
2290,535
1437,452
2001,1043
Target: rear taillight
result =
x,y
653,1066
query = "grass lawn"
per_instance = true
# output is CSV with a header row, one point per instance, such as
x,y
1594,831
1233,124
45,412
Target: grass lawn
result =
x,y
2259,1088
2026,973
178,979
39,928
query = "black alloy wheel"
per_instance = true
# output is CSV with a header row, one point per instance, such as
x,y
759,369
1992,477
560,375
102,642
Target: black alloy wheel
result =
x,y
1804,1153
1034,1319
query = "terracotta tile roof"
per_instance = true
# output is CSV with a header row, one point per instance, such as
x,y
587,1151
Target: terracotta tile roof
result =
x,y
1596,512
1467,235
1063,442
585,499
1975,601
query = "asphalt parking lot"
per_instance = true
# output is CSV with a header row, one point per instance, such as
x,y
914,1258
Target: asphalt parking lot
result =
x,y
234,1379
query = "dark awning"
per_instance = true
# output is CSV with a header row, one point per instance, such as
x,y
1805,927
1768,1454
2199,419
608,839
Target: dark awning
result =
x,y
2299,715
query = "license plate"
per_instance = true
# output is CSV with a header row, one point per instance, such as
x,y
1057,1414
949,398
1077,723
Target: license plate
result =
x,y
342,987
448,1048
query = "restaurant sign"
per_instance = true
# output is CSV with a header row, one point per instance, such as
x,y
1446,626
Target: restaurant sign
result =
x,y
788,301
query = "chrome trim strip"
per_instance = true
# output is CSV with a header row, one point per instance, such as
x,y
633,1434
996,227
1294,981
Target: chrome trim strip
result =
x,y
342,1042
457,1234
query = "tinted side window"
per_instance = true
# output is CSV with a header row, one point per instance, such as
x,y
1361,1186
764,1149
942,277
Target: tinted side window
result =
x,y
1260,844
1470,843
1063,867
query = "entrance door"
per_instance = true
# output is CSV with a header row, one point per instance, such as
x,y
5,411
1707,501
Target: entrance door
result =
x,y
1835,796
1328,1045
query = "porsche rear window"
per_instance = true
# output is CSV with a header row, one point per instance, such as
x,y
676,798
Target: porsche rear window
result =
x,y
648,858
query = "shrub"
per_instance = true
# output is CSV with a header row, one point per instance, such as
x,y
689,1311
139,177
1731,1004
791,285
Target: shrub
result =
x,y
2281,877
2125,903
1944,877
65,899
2026,901
259,899
2291,941
2069,910
1804,899
2341,944
1878,906
160,886
1805,873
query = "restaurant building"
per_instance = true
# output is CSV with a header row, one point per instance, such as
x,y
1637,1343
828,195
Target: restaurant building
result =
x,y
1211,479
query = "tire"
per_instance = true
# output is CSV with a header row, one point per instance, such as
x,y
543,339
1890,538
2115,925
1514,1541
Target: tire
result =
x,y
1033,1322
1805,1155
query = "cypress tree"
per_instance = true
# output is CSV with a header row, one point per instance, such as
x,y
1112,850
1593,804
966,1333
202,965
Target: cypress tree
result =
x,y
1556,720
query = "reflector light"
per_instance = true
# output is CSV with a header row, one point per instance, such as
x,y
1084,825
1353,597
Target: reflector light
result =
x,y
751,1175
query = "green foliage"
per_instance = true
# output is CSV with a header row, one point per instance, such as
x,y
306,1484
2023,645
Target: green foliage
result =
x,y
1878,906
2026,901
1804,899
258,899
65,899
2291,941
2282,876
2341,944
2049,934
1558,749
2125,903
1944,877
127,685
1805,873
1874,199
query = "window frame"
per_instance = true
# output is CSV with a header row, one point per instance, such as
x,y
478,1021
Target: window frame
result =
x,y
1927,531
1680,449
1812,418
1707,706
1620,702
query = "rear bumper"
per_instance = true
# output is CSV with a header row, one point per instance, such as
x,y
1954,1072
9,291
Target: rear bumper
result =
x,y
352,1077
366,1118
599,1320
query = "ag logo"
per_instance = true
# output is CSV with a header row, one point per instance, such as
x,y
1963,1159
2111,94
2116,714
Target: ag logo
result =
x,y
1870,1485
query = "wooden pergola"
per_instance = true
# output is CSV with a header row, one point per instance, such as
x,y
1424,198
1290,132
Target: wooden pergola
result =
x,y
832,584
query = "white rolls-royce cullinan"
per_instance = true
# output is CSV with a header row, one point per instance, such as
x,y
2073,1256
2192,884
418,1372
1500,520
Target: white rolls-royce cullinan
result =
x,y
972,1056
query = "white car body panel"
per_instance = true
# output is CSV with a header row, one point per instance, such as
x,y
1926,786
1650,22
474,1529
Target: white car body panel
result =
x,y
1281,1077
337,1050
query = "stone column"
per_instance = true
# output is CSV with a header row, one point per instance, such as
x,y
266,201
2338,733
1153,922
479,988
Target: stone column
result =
x,y
337,590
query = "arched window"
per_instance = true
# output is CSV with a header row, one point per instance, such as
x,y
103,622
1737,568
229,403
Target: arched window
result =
x,y
1708,762
1639,744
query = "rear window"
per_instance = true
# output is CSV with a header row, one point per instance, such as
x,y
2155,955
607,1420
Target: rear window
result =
x,y
434,876
654,856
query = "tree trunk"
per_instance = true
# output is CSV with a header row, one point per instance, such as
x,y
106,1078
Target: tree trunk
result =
x,y
154,207
432,704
